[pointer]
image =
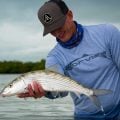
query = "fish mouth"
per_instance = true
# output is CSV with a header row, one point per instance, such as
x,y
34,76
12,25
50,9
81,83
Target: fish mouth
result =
x,y
3,94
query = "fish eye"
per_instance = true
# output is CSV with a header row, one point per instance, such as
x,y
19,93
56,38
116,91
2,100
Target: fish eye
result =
x,y
10,85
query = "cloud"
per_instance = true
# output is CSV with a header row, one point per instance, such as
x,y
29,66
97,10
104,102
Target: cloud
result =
x,y
20,41
21,32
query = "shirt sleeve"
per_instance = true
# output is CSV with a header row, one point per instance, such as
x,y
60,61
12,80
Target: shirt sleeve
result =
x,y
114,44
52,61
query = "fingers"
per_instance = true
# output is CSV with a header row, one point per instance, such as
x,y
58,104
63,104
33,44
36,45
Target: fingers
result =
x,y
27,94
23,95
30,90
37,90
41,90
34,90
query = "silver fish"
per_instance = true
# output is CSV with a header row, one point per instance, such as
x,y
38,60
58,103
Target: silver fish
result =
x,y
53,82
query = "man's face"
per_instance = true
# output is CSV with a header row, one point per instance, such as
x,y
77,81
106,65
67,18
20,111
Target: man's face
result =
x,y
65,32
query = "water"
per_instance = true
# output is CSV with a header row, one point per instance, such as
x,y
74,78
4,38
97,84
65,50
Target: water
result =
x,y
13,108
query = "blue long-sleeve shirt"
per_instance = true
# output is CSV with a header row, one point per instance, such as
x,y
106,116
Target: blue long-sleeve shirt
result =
x,y
95,63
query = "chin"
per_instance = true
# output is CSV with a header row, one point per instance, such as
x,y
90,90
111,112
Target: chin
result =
x,y
64,39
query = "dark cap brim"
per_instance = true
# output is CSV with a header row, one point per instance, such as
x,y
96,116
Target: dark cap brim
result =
x,y
54,26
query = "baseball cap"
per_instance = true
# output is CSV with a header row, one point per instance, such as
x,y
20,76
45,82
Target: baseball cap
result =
x,y
52,15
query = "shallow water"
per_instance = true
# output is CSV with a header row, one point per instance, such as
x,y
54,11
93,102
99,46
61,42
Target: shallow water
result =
x,y
13,108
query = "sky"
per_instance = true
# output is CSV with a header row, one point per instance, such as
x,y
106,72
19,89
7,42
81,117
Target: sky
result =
x,y
21,33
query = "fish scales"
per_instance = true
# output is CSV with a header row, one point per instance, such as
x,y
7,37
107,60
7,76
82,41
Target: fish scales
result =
x,y
60,82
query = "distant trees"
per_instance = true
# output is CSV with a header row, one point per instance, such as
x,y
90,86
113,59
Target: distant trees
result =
x,y
21,67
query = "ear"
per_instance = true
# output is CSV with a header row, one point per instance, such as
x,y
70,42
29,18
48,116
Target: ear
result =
x,y
70,15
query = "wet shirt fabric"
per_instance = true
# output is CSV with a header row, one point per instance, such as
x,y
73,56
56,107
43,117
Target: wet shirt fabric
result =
x,y
95,63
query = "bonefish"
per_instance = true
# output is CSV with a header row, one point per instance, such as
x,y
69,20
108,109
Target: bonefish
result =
x,y
52,82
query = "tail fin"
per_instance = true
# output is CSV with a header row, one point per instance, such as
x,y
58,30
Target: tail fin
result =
x,y
97,92
97,102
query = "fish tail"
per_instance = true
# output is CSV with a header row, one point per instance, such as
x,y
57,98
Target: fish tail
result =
x,y
96,101
97,92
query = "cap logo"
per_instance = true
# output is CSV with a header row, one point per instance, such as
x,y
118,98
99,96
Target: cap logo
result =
x,y
47,18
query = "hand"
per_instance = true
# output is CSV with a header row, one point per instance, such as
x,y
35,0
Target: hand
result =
x,y
36,91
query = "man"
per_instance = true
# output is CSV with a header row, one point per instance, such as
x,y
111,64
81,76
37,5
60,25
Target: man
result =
x,y
88,54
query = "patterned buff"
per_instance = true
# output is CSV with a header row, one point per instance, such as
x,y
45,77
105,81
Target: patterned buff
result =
x,y
75,39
